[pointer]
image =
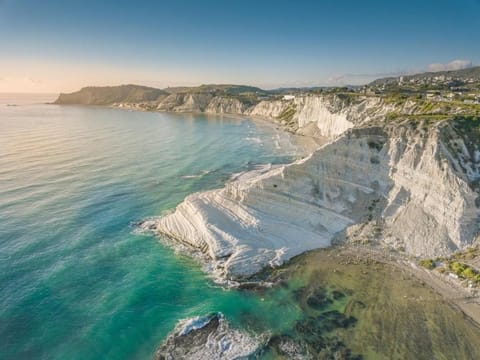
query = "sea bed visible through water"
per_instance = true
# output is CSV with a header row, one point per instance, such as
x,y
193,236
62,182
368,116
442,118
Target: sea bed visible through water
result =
x,y
77,281
340,303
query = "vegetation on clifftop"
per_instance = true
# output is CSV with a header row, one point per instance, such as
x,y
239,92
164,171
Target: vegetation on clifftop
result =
x,y
458,265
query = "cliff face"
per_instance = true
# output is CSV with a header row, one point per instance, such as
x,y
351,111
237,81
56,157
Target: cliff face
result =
x,y
183,102
431,209
410,185
225,105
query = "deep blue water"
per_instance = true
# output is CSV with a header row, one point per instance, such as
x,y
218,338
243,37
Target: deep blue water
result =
x,y
76,281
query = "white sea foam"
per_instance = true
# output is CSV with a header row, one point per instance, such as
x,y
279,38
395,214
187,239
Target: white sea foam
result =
x,y
196,176
254,140
185,326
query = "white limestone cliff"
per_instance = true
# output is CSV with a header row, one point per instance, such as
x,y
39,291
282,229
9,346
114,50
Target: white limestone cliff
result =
x,y
224,105
405,180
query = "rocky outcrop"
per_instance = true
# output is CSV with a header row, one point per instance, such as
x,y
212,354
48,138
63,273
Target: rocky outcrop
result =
x,y
208,337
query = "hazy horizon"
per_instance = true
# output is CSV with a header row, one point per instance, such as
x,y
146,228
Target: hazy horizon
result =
x,y
62,46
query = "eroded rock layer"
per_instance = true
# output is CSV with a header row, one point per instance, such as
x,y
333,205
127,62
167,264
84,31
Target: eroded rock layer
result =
x,y
405,184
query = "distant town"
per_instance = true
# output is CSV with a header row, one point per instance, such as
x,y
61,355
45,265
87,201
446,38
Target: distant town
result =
x,y
452,86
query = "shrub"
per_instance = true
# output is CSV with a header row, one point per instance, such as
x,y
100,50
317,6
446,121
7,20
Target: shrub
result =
x,y
457,267
464,271
427,263
469,273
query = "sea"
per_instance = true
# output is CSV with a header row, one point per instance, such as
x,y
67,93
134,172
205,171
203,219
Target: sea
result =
x,y
77,278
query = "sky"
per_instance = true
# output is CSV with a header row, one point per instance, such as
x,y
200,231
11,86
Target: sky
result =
x,y
60,46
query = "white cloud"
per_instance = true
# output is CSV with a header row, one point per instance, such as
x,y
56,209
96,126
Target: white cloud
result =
x,y
453,65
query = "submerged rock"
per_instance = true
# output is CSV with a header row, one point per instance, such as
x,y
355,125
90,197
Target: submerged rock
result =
x,y
319,299
287,347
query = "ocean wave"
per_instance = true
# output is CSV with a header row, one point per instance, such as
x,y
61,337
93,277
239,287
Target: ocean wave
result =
x,y
196,176
254,140
186,326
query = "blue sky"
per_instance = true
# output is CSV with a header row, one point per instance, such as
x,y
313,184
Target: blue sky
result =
x,y
53,45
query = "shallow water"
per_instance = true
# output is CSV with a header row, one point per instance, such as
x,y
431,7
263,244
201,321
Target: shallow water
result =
x,y
76,282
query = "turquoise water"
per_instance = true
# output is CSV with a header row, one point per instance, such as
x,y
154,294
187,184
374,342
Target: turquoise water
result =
x,y
76,281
